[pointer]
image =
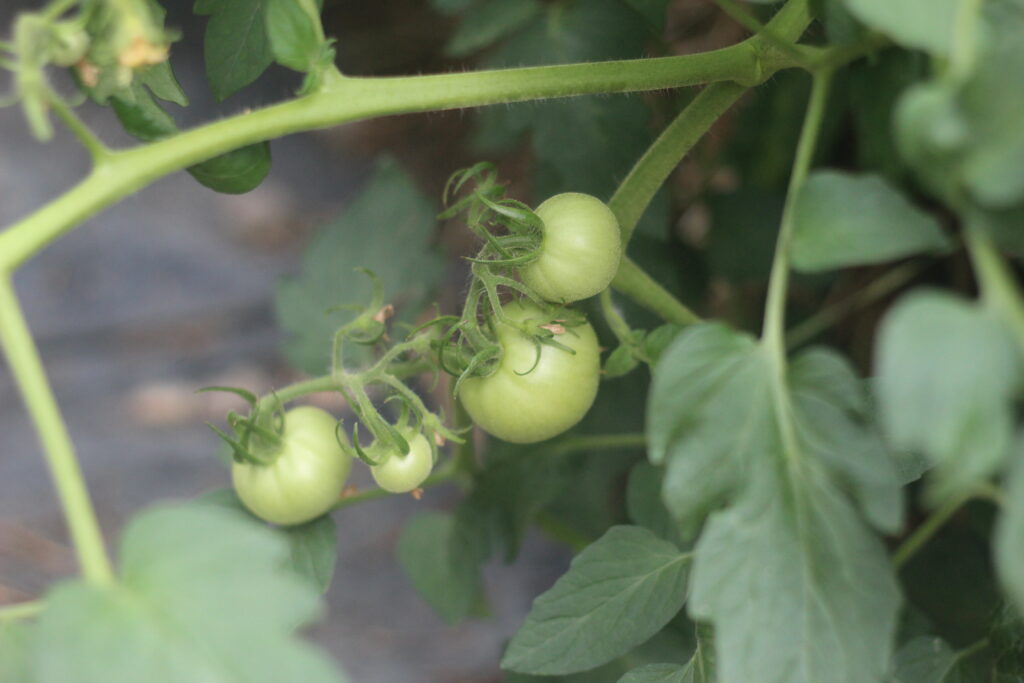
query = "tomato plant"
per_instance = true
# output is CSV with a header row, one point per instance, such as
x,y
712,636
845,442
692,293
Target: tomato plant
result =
x,y
779,219
303,475
536,391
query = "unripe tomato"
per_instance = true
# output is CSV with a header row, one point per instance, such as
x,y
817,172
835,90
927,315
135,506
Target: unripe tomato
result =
x,y
306,476
549,398
580,252
403,473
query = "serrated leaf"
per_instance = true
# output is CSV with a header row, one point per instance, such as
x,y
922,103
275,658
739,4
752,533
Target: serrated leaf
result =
x,y
295,39
236,48
926,659
618,592
444,573
945,372
796,586
842,220
388,228
312,547
203,596
923,24
489,21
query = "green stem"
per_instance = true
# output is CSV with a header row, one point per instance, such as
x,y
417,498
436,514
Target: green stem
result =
x,y
827,317
928,528
619,326
563,533
21,610
24,362
659,161
741,16
97,150
775,308
599,442
999,287
353,99
635,283
444,474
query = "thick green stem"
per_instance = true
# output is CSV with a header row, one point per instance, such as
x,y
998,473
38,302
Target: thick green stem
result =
x,y
999,287
352,99
652,169
924,533
27,368
635,283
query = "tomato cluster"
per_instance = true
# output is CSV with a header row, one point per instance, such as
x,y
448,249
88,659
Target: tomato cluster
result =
x,y
540,390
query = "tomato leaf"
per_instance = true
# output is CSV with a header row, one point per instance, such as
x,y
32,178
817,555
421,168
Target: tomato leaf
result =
x,y
313,546
946,371
788,532
1009,534
236,47
923,24
295,39
444,572
927,659
203,595
659,673
489,21
844,220
387,228
645,506
618,592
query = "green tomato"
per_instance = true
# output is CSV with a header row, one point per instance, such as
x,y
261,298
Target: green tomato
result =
x,y
580,251
403,473
524,405
306,476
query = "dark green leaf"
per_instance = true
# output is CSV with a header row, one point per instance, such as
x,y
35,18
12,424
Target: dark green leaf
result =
x,y
922,24
203,596
294,36
161,81
489,21
618,592
389,229
236,48
235,172
444,573
843,220
945,372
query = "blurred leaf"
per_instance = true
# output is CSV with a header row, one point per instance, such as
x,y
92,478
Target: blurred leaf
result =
x,y
654,12
742,234
659,338
444,573
927,659
389,229
842,220
788,534
294,37
203,596
451,6
14,651
644,504
488,21
1009,534
313,546
923,24
236,47
618,592
946,370
659,673
161,81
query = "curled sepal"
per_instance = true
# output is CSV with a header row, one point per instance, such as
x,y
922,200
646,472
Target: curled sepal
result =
x,y
244,394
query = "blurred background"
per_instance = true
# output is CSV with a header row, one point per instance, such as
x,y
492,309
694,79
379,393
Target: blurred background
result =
x,y
178,287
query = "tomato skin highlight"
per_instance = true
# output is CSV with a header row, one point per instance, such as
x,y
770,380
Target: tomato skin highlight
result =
x,y
580,252
305,479
547,400
404,473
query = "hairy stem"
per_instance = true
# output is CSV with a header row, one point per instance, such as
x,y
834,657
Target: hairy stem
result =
x,y
27,368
